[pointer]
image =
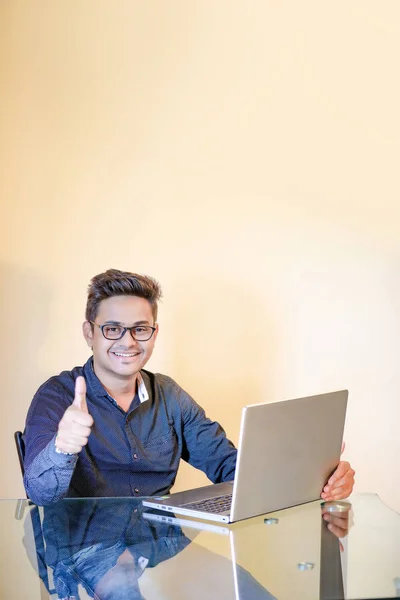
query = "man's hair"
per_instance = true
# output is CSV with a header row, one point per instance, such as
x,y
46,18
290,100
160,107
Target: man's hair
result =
x,y
121,283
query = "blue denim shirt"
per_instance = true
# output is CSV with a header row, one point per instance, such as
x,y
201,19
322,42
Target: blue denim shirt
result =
x,y
134,453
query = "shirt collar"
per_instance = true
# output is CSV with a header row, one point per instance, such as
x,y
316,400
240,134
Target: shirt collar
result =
x,y
142,390
99,390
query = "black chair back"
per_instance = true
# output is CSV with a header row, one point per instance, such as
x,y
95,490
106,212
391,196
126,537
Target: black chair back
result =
x,y
35,517
20,444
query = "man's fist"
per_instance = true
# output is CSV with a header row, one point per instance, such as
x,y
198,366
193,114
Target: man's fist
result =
x,y
75,425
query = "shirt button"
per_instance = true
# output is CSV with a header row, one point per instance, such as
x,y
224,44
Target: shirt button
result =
x,y
136,490
135,455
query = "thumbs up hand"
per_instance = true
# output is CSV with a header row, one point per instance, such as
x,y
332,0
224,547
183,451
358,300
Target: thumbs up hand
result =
x,y
75,425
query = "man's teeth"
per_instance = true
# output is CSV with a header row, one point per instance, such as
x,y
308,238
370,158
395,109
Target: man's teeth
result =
x,y
124,354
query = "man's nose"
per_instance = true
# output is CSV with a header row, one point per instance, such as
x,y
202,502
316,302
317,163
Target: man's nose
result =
x,y
130,339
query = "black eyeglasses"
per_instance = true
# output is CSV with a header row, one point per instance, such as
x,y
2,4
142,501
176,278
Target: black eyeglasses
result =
x,y
140,333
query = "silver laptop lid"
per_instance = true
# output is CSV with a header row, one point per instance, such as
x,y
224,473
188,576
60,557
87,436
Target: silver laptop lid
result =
x,y
287,450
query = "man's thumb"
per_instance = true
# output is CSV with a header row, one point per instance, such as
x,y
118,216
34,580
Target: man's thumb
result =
x,y
80,394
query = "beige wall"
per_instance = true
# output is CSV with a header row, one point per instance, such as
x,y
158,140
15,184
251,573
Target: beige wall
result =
x,y
246,155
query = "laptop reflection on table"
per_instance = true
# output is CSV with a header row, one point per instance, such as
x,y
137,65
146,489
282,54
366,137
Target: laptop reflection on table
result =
x,y
288,554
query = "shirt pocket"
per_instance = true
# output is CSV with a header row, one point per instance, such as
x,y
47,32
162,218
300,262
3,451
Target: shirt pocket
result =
x,y
162,447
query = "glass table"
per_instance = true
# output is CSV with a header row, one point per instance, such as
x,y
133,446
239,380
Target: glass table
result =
x,y
114,549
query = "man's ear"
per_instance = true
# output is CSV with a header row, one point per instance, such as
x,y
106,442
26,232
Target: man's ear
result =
x,y
88,333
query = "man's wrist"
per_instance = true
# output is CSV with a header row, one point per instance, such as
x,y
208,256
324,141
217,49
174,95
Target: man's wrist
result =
x,y
62,451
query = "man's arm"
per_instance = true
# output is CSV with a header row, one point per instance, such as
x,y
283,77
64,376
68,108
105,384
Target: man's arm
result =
x,y
56,430
48,477
205,445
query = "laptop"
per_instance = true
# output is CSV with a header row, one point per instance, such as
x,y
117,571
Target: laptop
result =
x,y
286,453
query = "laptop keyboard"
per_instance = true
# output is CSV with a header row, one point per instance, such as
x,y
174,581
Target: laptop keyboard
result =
x,y
216,505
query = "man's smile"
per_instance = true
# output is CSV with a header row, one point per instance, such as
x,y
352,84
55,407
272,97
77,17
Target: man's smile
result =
x,y
125,354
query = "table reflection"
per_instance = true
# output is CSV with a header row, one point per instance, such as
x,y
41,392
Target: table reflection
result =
x,y
105,549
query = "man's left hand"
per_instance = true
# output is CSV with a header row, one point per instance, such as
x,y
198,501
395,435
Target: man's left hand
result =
x,y
340,484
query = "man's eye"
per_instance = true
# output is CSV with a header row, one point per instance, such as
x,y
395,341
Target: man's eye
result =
x,y
113,329
141,329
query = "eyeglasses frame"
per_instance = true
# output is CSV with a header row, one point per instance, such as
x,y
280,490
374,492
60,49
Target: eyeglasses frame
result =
x,y
124,330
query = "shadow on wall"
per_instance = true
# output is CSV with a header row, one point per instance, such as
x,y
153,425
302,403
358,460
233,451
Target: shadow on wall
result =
x,y
226,357
24,307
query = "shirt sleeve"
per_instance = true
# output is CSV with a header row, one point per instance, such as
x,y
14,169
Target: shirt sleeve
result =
x,y
47,473
205,445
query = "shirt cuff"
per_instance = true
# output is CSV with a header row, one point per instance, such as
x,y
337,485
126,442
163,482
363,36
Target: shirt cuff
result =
x,y
58,459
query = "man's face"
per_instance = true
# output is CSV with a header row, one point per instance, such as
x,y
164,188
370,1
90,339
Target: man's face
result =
x,y
125,357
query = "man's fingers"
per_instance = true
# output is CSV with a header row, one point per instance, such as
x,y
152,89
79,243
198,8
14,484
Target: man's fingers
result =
x,y
78,417
342,468
341,484
338,524
342,492
75,416
337,493
70,448
82,430
337,519
78,440
71,442
337,531
79,428
80,394
338,483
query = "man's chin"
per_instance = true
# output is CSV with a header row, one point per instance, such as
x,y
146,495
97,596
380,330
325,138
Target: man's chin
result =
x,y
127,371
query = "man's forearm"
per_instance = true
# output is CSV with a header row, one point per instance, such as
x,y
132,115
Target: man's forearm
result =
x,y
48,477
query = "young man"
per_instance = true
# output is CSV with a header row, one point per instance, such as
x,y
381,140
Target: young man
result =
x,y
111,428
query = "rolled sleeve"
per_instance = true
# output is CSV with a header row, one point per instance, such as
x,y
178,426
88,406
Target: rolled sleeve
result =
x,y
48,476
47,473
